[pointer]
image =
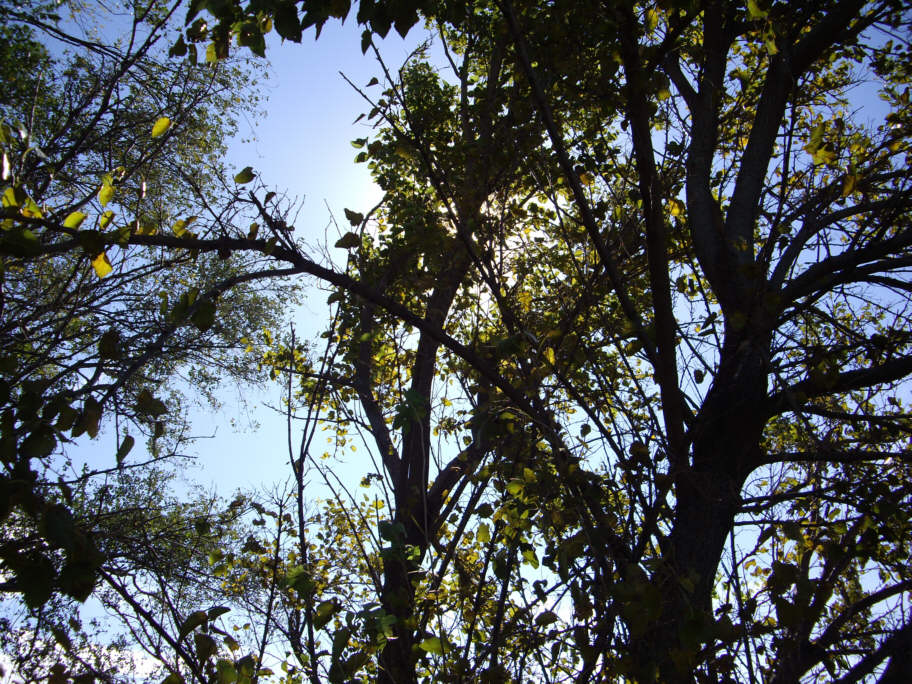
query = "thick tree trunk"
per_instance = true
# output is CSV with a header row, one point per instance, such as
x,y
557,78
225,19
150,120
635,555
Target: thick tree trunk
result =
x,y
397,659
725,448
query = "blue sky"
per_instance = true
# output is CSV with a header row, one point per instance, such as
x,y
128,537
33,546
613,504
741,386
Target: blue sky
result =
x,y
302,146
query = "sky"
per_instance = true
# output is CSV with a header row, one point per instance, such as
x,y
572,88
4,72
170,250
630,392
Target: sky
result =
x,y
301,145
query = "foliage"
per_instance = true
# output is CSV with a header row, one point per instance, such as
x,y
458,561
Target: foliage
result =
x,y
95,340
633,311
627,344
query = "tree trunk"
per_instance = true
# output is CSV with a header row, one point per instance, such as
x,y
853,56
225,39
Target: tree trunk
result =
x,y
397,659
725,449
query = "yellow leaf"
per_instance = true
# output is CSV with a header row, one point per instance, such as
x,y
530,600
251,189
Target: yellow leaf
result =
x,y
179,228
161,127
676,207
105,219
549,355
652,19
850,184
484,533
30,209
74,220
525,300
10,198
106,193
586,178
754,10
101,265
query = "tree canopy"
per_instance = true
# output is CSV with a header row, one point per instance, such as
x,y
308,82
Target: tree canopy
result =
x,y
624,351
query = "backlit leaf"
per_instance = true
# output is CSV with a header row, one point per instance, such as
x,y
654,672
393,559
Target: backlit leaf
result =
x,y
245,175
432,645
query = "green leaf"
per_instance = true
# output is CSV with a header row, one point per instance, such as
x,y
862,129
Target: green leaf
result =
x,y
353,217
245,175
205,646
755,11
109,345
225,671
161,127
125,446
515,487
204,316
348,241
432,645
217,611
287,24
194,620
323,614
484,533
148,405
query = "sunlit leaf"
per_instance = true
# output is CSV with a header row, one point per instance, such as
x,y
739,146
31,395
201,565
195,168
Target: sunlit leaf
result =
x,y
74,220
161,127
102,265
106,193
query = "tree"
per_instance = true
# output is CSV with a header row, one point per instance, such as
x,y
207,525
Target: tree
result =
x,y
627,341
98,142
669,219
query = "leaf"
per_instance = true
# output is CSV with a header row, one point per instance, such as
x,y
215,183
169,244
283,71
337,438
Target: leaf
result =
x,y
194,620
109,345
348,241
205,646
147,404
14,197
323,614
675,207
124,448
372,82
74,220
225,671
204,316
161,127
652,19
102,265
432,645
484,533
515,487
106,193
173,679
850,184
245,175
105,219
549,356
546,618
354,218
217,611
754,10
